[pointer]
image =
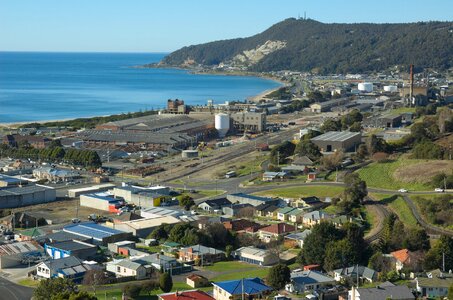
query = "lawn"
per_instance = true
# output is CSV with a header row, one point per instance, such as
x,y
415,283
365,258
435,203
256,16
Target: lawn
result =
x,y
248,273
224,266
304,191
381,175
210,193
236,270
28,282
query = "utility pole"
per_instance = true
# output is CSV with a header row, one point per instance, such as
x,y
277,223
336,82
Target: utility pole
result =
x,y
278,158
443,261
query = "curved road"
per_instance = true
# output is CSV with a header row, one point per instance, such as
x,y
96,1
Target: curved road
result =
x,y
12,291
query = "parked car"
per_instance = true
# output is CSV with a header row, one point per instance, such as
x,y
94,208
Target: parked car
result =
x,y
75,220
439,190
402,190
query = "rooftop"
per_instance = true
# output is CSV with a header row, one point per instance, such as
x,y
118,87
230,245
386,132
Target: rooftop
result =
x,y
279,228
19,247
249,286
71,245
92,230
336,136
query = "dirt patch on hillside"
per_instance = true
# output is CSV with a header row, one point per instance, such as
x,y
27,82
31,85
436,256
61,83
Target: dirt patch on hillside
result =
x,y
423,172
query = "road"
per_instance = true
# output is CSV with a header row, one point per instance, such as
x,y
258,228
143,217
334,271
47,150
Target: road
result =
x,y
12,291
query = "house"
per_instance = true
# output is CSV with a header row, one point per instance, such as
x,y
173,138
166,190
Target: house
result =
x,y
273,231
297,238
214,204
163,263
315,217
12,255
205,221
186,295
206,255
170,247
52,174
99,235
434,287
239,225
302,161
407,259
283,213
365,274
295,216
74,248
256,256
128,268
251,288
271,176
266,210
307,202
196,280
386,290
121,247
236,209
67,267
304,281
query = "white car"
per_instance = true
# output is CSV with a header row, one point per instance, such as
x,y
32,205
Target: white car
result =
x,y
402,190
439,190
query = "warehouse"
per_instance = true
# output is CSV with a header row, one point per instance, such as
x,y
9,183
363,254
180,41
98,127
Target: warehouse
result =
x,y
143,227
26,195
144,197
100,235
72,193
390,120
327,105
12,255
249,122
250,199
75,248
334,141
101,201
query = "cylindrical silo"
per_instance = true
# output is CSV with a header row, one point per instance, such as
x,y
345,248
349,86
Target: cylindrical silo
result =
x,y
391,88
365,87
222,124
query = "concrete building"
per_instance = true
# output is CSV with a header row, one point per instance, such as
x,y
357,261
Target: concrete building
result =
x,y
36,141
256,256
100,201
334,141
75,248
390,120
143,227
248,122
26,195
9,181
12,255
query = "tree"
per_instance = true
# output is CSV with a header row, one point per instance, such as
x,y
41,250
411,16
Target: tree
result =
x,y
450,292
186,201
306,147
434,256
94,278
132,290
315,243
356,189
379,262
376,144
340,254
82,296
280,152
165,282
228,251
331,125
332,161
278,276
178,232
54,287
150,285
246,212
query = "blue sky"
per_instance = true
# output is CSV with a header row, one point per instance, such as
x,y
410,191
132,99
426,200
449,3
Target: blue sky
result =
x,y
163,26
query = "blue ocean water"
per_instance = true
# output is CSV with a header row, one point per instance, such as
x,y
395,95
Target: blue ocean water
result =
x,y
50,86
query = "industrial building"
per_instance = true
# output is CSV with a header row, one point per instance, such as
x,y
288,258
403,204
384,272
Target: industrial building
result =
x,y
189,153
75,248
8,181
12,255
141,196
328,105
248,122
72,193
31,194
99,235
101,201
334,141
143,227
53,174
250,199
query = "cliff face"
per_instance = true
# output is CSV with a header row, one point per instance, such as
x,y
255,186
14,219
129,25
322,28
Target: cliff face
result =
x,y
308,45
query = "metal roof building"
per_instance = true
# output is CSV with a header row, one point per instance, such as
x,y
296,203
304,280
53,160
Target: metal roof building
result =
x,y
31,194
98,233
334,141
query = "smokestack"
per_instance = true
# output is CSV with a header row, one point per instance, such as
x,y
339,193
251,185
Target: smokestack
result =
x,y
411,92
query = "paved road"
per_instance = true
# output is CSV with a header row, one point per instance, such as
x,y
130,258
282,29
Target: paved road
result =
x,y
12,291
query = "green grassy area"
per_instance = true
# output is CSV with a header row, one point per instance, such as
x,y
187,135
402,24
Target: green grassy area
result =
x,y
399,206
370,218
150,248
28,282
304,191
332,209
236,270
209,193
380,175
224,266
248,273
246,168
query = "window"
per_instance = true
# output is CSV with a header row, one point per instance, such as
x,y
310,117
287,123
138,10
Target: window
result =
x,y
118,269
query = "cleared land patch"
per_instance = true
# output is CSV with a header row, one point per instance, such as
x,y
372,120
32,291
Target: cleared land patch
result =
x,y
422,172
304,191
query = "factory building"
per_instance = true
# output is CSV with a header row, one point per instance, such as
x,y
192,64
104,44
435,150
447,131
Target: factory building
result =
x,y
334,141
141,196
328,105
100,201
250,199
72,193
98,234
75,248
12,255
26,195
248,122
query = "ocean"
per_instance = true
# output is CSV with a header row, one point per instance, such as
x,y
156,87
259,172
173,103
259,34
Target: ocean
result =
x,y
52,86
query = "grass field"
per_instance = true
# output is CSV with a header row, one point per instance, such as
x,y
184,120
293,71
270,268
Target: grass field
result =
x,y
381,175
304,191
28,282
236,270
399,206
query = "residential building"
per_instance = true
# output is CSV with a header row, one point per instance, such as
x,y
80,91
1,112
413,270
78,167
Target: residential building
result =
x,y
163,263
55,175
196,281
186,295
364,274
302,161
271,176
283,213
334,141
305,281
383,291
407,259
434,287
295,216
99,235
74,248
256,256
206,255
297,238
273,231
236,209
310,219
267,210
214,205
251,288
239,225
128,268
67,267
307,202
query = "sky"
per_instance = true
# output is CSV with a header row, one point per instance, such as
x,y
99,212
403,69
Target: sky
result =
x,y
165,26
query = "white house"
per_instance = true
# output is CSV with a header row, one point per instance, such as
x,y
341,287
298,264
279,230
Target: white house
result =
x,y
68,267
128,268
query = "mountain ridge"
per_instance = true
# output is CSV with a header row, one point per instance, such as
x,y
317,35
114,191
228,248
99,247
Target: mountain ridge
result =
x,y
310,45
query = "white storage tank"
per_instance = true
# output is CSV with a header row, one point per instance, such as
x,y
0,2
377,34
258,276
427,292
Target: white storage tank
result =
x,y
391,88
365,87
222,124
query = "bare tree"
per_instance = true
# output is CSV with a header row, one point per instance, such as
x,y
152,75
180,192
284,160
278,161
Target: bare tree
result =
x,y
94,278
246,212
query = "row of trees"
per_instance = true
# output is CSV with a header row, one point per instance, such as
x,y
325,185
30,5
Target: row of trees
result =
x,y
79,157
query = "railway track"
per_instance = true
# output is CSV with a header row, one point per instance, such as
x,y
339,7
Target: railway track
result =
x,y
382,211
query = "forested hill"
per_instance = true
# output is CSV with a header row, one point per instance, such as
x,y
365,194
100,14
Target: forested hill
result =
x,y
308,45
